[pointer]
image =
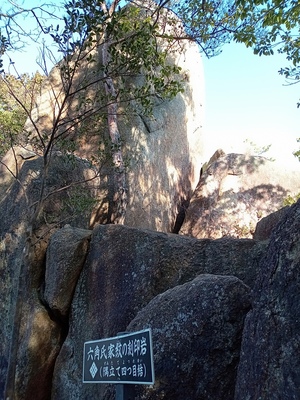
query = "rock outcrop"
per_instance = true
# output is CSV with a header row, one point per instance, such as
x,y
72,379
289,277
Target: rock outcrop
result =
x,y
266,225
270,365
68,276
164,153
197,330
234,193
194,293
66,255
30,338
124,270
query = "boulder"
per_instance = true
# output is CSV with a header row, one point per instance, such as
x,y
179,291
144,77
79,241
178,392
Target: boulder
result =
x,y
124,270
270,366
234,193
163,153
196,332
30,337
66,254
266,225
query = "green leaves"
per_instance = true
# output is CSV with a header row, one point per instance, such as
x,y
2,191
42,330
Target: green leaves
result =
x,y
3,47
138,64
212,23
272,24
12,114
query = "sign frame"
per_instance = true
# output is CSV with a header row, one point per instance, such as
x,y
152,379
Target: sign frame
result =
x,y
135,356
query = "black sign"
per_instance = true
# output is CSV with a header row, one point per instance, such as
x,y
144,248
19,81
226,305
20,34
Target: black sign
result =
x,y
127,358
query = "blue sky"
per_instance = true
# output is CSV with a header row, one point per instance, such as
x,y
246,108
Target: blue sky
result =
x,y
246,99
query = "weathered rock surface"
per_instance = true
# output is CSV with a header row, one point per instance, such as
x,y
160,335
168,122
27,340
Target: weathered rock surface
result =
x,y
196,330
266,225
234,193
10,166
132,279
66,254
270,366
194,293
124,270
29,338
164,153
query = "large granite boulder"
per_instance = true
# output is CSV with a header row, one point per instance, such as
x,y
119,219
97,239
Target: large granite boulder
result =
x,y
164,154
66,255
30,338
197,332
124,270
270,366
265,226
234,193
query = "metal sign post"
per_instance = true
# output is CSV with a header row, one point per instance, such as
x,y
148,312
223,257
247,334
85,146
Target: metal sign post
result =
x,y
125,392
125,360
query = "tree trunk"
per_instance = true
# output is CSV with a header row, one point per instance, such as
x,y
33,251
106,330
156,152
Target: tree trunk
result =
x,y
120,189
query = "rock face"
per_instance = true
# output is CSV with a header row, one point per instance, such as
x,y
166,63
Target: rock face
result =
x,y
266,225
193,293
164,153
270,366
10,166
65,258
196,330
30,338
124,270
234,193
66,278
